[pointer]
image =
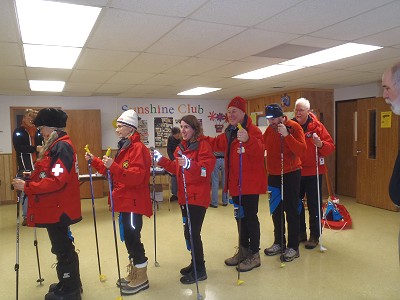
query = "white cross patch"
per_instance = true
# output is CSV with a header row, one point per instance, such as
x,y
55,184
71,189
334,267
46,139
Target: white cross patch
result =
x,y
57,170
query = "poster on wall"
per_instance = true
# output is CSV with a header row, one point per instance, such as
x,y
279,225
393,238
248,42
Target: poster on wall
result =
x,y
144,131
162,130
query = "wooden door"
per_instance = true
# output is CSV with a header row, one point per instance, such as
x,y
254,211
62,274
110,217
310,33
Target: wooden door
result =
x,y
346,157
377,149
84,127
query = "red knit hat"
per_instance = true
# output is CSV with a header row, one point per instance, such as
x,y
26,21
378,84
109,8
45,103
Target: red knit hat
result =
x,y
238,102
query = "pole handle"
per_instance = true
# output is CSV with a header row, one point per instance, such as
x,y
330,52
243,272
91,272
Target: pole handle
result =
x,y
87,149
108,152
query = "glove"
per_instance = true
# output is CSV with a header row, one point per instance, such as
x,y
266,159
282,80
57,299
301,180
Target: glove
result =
x,y
157,155
187,162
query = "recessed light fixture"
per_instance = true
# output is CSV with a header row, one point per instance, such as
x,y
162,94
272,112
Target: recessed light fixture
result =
x,y
50,56
331,54
313,59
46,85
51,24
198,91
267,72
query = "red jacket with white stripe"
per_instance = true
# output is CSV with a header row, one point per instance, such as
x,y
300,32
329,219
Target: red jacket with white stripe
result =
x,y
130,173
254,179
53,188
294,146
308,160
198,176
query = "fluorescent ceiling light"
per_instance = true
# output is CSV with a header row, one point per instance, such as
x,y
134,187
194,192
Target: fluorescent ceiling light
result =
x,y
55,23
50,56
198,91
317,58
331,54
52,24
46,85
268,72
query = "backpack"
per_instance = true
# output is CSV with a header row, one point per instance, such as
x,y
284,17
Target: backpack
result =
x,y
332,212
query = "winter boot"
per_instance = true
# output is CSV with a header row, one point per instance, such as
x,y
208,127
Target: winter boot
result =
x,y
252,261
188,269
131,269
235,260
201,274
57,286
140,282
69,286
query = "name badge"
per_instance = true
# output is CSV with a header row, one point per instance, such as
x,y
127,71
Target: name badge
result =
x,y
321,160
203,172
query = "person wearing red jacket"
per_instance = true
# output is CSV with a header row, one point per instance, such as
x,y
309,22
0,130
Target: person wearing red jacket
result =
x,y
54,199
317,139
285,143
130,172
253,178
194,158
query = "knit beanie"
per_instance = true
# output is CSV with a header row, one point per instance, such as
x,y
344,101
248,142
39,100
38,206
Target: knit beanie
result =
x,y
129,118
238,102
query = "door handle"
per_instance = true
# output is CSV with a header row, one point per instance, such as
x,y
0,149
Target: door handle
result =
x,y
358,151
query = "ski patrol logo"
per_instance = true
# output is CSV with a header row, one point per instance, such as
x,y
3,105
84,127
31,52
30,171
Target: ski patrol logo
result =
x,y
125,164
57,170
308,135
42,174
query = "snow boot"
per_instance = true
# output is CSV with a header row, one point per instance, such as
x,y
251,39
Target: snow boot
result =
x,y
69,286
57,286
140,282
131,269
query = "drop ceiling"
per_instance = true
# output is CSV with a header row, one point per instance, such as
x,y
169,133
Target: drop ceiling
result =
x,y
158,48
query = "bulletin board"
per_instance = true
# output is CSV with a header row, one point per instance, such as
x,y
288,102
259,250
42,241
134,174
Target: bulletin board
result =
x,y
143,130
162,130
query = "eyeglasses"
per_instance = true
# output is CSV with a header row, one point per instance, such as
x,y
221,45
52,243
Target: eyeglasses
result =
x,y
300,110
120,126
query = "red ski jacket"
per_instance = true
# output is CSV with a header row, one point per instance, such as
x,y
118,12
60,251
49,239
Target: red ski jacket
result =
x,y
130,173
198,176
308,160
53,188
254,179
294,146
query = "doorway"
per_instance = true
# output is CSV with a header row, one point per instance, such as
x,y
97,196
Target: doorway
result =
x,y
366,151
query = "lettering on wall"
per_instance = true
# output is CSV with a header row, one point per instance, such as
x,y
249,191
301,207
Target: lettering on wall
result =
x,y
164,109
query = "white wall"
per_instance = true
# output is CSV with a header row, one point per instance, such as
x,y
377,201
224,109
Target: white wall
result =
x,y
358,92
111,108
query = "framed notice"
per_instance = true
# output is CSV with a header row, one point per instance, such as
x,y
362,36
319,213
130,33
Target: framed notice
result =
x,y
162,130
386,119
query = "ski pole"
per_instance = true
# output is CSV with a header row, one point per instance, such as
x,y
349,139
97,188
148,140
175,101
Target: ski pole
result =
x,y
239,282
113,221
321,247
199,296
282,257
36,244
16,267
101,276
154,207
